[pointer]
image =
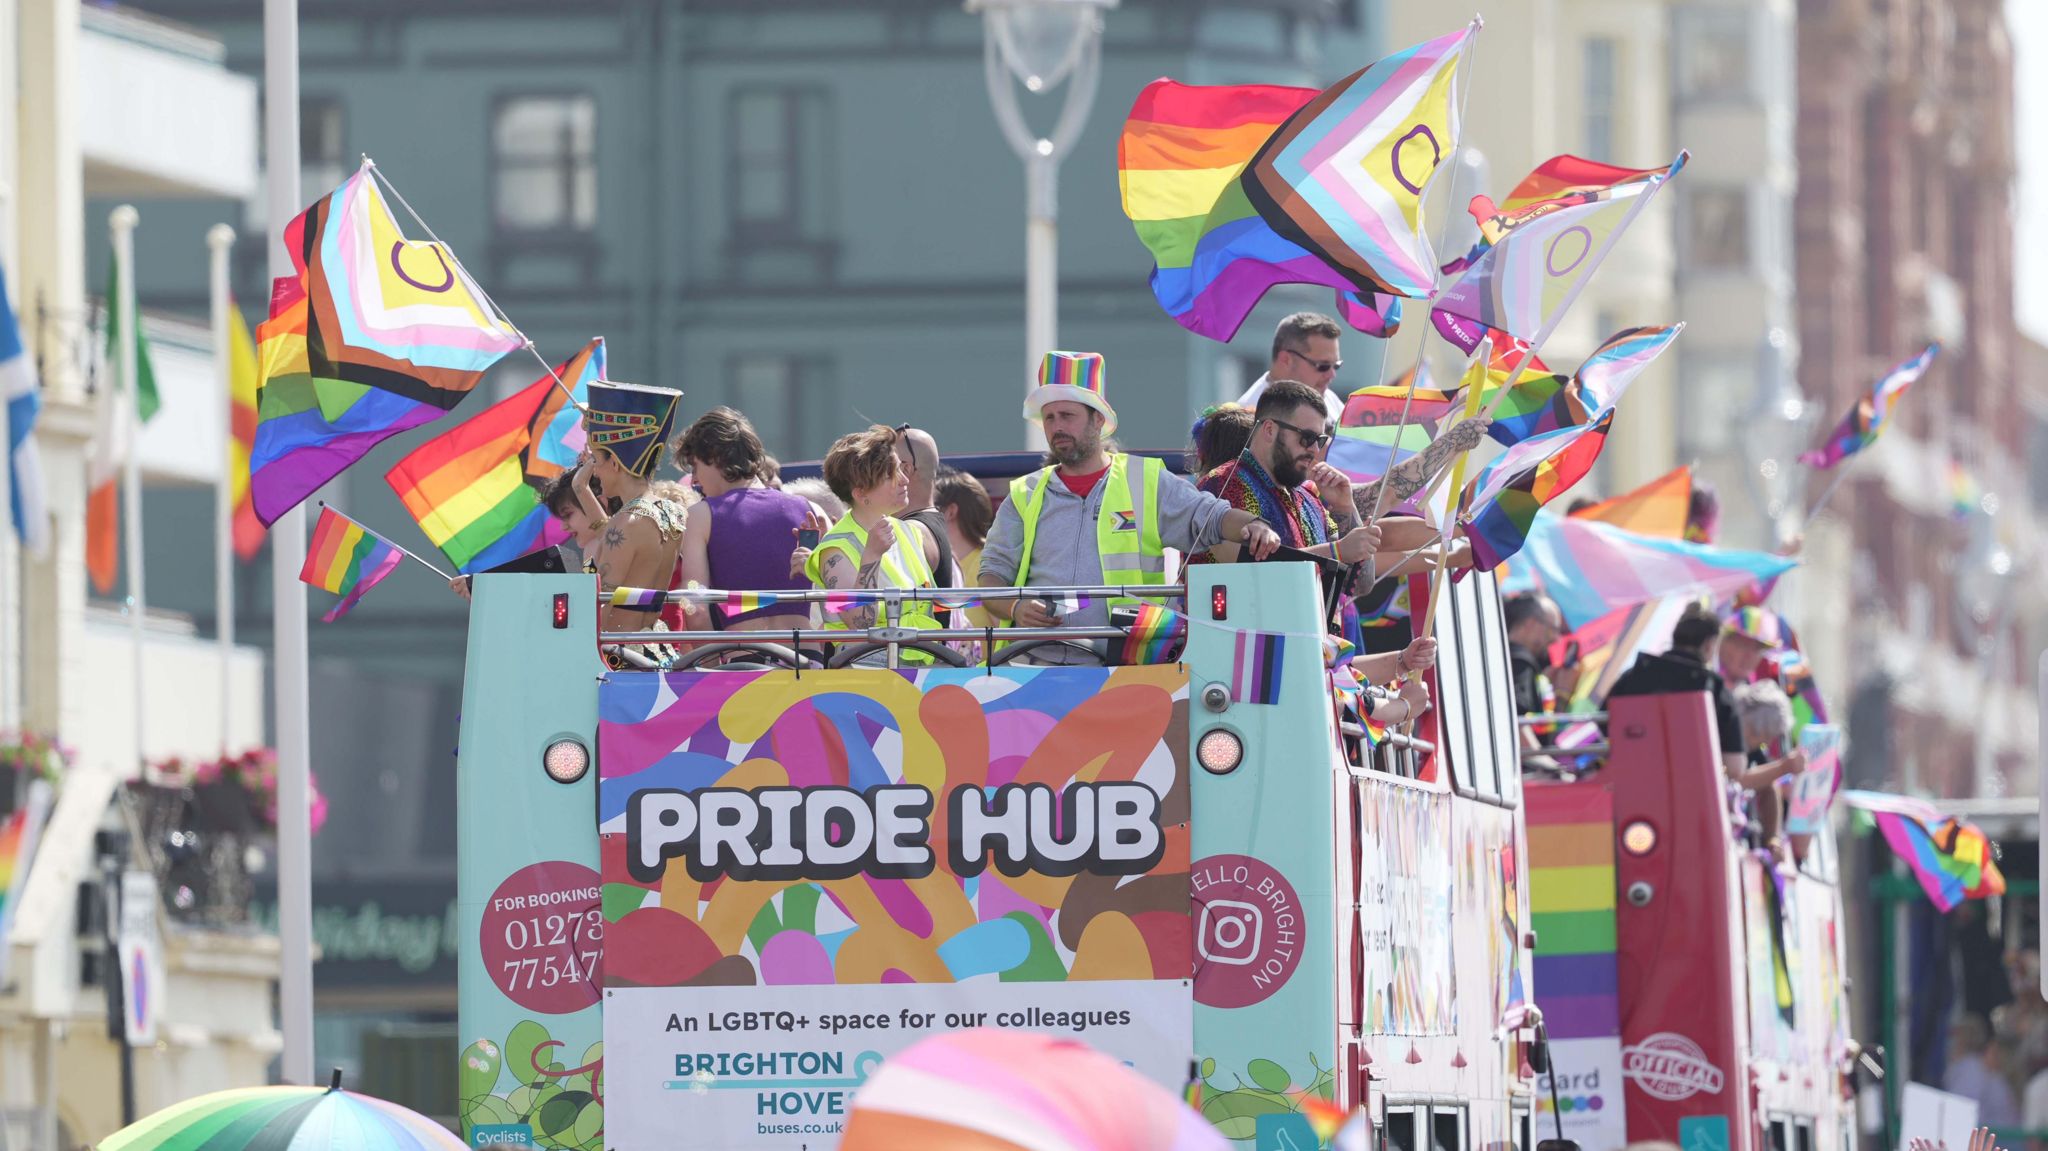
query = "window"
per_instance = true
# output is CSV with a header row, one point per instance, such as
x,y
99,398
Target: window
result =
x,y
1712,46
1717,228
323,158
1447,1128
1524,1129
778,149
1400,1129
1599,68
790,401
544,163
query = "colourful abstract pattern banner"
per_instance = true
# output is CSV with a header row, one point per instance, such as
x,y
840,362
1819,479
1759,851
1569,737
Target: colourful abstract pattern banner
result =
x,y
959,737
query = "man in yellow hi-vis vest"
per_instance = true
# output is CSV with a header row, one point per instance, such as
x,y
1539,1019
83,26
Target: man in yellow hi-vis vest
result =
x,y
1096,517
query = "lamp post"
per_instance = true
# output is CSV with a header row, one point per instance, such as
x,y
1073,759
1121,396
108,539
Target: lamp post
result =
x,y
1041,44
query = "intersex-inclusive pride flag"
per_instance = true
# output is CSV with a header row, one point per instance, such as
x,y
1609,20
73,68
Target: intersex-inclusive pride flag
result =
x,y
1592,568
1343,177
1179,159
468,487
1950,857
1866,421
374,335
1558,182
1520,284
1658,508
347,559
1508,492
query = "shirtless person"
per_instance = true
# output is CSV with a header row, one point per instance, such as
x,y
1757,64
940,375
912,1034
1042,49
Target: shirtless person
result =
x,y
627,426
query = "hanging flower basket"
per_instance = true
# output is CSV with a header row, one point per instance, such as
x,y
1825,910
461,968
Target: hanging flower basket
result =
x,y
25,756
237,794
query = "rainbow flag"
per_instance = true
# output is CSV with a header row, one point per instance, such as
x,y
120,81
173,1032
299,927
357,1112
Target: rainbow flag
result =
x,y
242,385
19,833
1380,405
1658,508
1548,402
1592,568
1366,454
1179,159
1571,908
374,335
1260,657
1863,423
1503,499
1965,495
1155,636
1950,857
468,487
1343,176
347,559
1519,283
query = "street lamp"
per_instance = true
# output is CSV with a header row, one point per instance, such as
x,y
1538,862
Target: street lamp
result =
x,y
1040,44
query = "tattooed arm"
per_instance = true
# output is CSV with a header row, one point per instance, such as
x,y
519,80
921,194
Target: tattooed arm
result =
x,y
1414,473
839,573
630,554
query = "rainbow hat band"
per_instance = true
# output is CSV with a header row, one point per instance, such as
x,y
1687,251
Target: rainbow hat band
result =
x,y
632,421
1070,377
1758,624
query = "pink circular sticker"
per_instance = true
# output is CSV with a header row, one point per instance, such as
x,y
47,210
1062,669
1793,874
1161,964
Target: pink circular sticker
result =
x,y
1248,930
543,937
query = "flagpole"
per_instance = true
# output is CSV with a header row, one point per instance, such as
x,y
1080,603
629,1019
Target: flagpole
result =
x,y
219,239
288,595
1834,482
399,548
121,224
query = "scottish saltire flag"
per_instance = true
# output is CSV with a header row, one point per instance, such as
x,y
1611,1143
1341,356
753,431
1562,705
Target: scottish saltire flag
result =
x,y
374,335
1592,568
1866,421
1179,160
30,503
1343,177
1519,284
1950,857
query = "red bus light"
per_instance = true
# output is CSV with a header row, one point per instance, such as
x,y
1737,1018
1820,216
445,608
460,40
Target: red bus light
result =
x,y
1219,602
561,610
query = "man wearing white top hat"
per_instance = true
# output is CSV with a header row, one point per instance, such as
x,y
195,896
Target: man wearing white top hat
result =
x,y
1095,516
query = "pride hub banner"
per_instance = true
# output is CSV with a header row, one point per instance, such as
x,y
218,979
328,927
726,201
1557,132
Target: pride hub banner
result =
x,y
804,874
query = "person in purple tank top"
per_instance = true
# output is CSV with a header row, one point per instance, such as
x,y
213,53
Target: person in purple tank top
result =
x,y
739,538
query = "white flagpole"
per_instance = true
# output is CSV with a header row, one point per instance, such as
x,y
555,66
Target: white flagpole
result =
x,y
121,222
219,240
288,595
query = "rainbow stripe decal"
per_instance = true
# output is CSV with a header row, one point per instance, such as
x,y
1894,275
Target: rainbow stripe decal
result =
x,y
1571,904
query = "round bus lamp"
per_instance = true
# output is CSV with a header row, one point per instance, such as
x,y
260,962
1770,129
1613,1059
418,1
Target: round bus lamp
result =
x,y
1639,838
1220,751
566,760
1640,894
1216,697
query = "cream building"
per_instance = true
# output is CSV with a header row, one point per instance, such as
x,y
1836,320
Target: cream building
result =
x,y
108,100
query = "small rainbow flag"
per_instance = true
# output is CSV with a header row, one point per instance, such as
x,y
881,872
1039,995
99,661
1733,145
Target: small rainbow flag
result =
x,y
1156,635
1863,423
347,559
1571,906
18,835
1951,858
1260,659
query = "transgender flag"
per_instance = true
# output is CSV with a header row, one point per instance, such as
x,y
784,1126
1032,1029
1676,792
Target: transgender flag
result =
x,y
1592,568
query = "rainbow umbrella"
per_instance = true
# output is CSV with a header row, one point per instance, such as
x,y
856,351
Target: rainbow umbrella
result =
x,y
284,1119
991,1090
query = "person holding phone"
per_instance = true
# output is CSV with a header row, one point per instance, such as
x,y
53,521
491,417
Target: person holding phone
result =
x,y
741,535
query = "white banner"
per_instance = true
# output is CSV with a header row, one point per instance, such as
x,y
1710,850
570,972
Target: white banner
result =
x,y
773,1068
1589,1094
141,952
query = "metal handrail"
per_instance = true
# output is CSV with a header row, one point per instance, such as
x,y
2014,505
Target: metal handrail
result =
x,y
1394,738
1557,717
932,595
871,635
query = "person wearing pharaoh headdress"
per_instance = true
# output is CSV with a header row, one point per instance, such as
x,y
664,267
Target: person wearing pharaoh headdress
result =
x,y
626,427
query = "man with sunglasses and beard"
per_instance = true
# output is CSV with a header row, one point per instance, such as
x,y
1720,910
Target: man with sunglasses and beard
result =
x,y
1305,349
1271,479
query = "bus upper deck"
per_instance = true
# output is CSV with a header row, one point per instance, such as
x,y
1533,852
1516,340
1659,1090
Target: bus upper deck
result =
x,y
1213,869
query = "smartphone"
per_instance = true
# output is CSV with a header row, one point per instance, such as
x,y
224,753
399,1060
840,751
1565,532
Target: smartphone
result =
x,y
1571,654
807,538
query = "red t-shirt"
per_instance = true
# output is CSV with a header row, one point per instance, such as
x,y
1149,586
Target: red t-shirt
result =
x,y
1082,485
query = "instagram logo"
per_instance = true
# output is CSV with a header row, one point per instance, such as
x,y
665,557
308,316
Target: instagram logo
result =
x,y
1249,930
1229,932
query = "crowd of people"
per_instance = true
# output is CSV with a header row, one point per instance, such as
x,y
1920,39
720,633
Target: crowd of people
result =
x,y
887,513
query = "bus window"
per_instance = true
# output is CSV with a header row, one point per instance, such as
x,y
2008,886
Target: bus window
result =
x,y
1454,672
1500,690
1780,1135
1523,1129
1447,1128
1400,1129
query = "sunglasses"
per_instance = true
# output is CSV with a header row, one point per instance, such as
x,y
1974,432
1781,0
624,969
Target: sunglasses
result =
x,y
1309,438
1318,365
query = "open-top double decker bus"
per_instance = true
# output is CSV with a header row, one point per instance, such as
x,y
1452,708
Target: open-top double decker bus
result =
x,y
700,904
1692,986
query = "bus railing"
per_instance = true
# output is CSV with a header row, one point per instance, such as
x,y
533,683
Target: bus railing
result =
x,y
1550,757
